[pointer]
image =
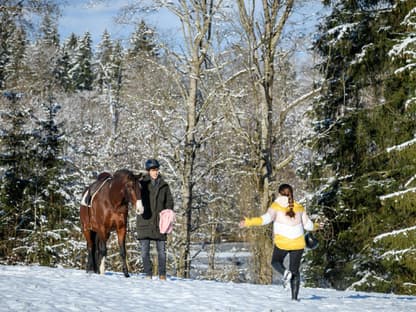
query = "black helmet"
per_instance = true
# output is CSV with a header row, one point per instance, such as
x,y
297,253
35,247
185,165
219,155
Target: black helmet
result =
x,y
311,241
151,163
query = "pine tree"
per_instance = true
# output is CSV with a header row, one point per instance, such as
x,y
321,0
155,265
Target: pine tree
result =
x,y
142,42
359,116
103,63
43,57
15,164
49,31
117,70
66,62
49,187
82,71
12,48
37,188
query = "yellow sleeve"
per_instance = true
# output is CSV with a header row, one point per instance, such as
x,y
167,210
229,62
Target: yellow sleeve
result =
x,y
298,207
253,221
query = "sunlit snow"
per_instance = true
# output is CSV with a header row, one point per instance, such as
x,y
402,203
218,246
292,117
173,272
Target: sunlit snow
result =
x,y
36,288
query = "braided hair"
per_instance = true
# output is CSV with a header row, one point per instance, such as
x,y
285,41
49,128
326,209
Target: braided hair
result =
x,y
287,190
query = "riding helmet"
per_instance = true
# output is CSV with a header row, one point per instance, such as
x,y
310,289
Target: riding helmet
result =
x,y
151,163
311,241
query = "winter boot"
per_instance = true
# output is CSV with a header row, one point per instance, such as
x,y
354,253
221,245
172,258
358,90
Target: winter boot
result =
x,y
294,285
287,277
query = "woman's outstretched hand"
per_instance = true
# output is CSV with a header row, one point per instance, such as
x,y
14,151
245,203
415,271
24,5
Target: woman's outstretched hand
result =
x,y
320,223
242,223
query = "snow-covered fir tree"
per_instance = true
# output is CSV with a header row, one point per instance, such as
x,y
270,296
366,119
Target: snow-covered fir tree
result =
x,y
365,112
82,71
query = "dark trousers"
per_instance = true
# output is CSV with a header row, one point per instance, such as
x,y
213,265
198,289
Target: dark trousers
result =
x,y
161,256
295,256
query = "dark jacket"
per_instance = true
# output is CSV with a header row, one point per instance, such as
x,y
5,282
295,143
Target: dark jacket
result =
x,y
155,198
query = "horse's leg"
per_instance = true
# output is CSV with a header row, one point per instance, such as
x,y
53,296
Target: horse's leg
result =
x,y
102,252
89,236
90,247
121,235
97,253
94,251
91,251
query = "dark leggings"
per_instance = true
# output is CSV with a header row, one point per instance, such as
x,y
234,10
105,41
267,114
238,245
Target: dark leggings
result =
x,y
295,256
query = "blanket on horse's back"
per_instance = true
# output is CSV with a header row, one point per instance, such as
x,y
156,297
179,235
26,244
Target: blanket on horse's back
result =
x,y
90,191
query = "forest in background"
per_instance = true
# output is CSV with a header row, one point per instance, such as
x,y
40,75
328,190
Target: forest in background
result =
x,y
230,116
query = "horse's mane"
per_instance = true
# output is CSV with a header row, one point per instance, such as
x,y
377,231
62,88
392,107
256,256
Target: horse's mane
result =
x,y
123,172
130,175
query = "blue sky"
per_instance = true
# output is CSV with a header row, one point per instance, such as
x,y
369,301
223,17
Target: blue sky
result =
x,y
80,16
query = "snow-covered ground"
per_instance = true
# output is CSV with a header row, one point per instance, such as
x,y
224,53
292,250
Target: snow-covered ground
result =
x,y
36,288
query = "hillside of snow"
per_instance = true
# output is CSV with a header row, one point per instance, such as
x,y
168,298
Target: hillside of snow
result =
x,y
36,288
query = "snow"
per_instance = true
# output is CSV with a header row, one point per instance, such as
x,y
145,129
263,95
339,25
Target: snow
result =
x,y
399,193
401,146
393,233
341,30
37,288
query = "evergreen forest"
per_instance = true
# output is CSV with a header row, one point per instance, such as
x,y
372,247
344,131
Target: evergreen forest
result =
x,y
251,97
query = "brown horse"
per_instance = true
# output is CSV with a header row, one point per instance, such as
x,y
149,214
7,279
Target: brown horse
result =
x,y
108,212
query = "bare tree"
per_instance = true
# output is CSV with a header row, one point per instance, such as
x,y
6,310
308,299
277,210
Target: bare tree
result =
x,y
190,121
196,19
263,31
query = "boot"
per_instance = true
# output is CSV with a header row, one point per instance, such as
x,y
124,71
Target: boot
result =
x,y
294,285
286,278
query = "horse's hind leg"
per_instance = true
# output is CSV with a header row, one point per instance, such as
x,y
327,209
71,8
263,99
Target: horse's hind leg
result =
x,y
94,252
101,253
89,236
121,235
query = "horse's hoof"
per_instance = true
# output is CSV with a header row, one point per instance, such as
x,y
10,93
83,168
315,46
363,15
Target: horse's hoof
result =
x,y
126,274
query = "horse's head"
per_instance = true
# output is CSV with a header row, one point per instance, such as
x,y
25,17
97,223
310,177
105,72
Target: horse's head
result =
x,y
136,187
130,188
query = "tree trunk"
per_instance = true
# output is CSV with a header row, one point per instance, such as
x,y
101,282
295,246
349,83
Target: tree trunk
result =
x,y
275,14
188,165
196,22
